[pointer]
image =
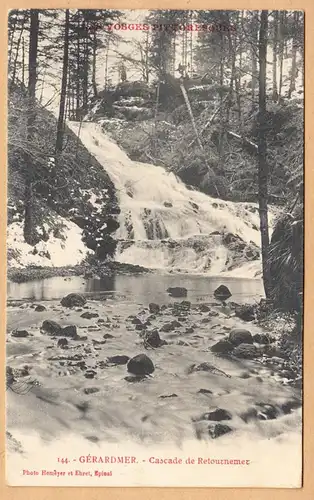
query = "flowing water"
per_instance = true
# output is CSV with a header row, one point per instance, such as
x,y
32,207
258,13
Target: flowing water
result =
x,y
163,223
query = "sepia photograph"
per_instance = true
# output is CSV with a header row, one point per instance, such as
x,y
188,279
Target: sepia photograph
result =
x,y
155,234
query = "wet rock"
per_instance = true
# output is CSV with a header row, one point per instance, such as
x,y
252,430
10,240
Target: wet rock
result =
x,y
139,327
154,308
244,375
213,314
135,378
206,367
222,293
51,327
169,327
217,430
20,334
222,347
136,321
69,331
62,342
246,312
165,396
204,308
73,300
90,373
118,360
101,320
177,291
181,307
91,390
205,391
216,415
9,376
89,315
288,406
40,308
168,204
140,365
108,336
190,329
261,338
153,339
267,411
239,336
246,351
250,414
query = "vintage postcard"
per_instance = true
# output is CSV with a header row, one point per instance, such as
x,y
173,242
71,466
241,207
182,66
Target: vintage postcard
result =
x,y
155,221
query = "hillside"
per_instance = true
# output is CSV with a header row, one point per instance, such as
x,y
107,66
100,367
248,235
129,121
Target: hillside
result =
x,y
74,206
225,167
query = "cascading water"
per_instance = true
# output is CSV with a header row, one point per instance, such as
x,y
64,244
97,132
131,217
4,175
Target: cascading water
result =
x,y
164,224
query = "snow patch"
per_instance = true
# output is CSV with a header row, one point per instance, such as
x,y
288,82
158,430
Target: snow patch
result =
x,y
55,252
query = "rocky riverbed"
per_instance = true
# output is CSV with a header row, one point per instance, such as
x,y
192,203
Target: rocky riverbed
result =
x,y
110,370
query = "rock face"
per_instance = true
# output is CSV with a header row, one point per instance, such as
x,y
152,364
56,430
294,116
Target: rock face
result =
x,y
239,336
73,300
246,351
222,347
51,327
140,365
222,293
177,291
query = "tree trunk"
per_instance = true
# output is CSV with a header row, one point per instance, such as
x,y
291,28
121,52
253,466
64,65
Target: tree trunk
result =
x,y
254,58
60,126
17,52
94,64
262,152
78,76
29,173
85,72
11,39
275,42
281,50
293,74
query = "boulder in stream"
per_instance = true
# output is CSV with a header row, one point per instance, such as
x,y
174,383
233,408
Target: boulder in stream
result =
x,y
218,430
239,336
140,365
73,300
40,308
177,291
246,312
216,415
154,308
51,327
153,339
20,334
69,331
222,347
119,359
246,351
89,315
222,293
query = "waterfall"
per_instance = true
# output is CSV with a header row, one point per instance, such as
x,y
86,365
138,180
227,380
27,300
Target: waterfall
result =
x,y
163,223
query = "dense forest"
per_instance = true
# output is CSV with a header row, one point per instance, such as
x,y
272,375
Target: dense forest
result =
x,y
221,108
